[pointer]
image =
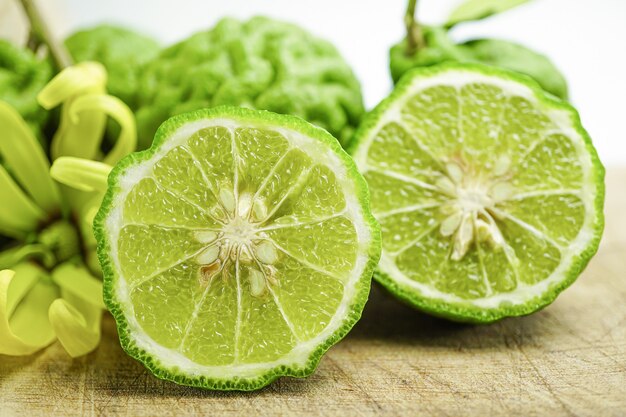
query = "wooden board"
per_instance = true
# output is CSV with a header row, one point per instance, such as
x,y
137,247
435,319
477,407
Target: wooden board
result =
x,y
569,359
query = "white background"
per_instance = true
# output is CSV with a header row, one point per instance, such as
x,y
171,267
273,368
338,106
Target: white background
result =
x,y
585,38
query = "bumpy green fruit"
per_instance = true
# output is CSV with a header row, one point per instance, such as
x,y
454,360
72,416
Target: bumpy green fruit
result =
x,y
518,58
260,63
438,47
121,51
22,76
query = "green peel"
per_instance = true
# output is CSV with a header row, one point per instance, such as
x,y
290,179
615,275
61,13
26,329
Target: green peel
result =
x,y
259,63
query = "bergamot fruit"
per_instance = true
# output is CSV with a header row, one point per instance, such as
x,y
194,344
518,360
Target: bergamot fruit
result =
x,y
488,190
260,63
237,249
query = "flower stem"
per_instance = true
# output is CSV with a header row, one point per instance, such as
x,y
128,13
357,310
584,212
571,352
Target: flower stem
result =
x,y
414,35
40,33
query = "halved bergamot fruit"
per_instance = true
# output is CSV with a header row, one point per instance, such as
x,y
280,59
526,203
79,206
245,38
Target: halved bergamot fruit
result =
x,y
237,249
488,190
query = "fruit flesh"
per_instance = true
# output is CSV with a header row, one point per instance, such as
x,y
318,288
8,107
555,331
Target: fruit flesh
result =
x,y
254,247
485,193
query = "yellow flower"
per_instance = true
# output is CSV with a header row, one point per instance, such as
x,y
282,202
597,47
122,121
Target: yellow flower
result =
x,y
50,285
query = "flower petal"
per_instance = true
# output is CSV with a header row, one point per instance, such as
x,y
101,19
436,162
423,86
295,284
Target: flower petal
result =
x,y
28,163
17,254
115,108
78,281
76,136
25,296
79,173
17,212
76,79
76,324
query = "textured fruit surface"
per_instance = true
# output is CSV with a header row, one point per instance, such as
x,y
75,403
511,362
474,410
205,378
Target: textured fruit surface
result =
x,y
489,192
441,48
123,52
260,63
516,57
237,249
438,48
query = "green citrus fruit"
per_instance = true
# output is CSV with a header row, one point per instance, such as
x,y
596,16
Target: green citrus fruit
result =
x,y
237,249
260,63
488,191
123,53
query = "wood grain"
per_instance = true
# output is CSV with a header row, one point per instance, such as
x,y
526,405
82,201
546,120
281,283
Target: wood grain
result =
x,y
569,359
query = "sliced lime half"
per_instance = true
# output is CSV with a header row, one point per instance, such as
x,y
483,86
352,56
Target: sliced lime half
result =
x,y
488,190
237,249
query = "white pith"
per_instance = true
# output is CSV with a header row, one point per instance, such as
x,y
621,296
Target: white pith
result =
x,y
241,240
297,358
565,125
468,212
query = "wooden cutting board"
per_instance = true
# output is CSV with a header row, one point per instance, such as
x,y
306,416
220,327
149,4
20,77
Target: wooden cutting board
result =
x,y
569,359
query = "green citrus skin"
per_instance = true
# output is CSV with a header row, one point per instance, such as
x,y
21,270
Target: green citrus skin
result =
x,y
438,48
123,53
260,63
472,309
441,48
518,58
223,380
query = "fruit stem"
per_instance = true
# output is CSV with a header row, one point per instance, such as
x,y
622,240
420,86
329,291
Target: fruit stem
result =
x,y
40,33
414,35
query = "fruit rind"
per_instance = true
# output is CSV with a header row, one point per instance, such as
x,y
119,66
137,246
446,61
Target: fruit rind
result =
x,y
362,285
467,312
260,63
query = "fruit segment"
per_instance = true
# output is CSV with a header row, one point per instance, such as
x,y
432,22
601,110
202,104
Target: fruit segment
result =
x,y
168,299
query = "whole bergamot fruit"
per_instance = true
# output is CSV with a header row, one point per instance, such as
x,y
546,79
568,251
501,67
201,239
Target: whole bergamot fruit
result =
x,y
426,45
260,63
123,52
